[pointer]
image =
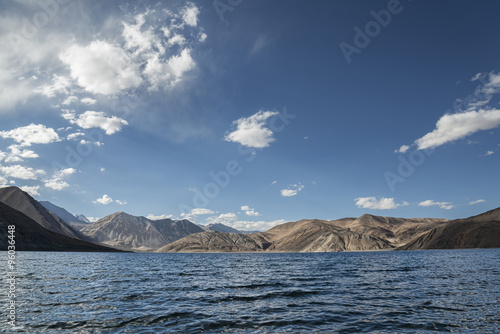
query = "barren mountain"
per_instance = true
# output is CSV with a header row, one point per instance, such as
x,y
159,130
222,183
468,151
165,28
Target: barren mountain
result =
x,y
219,228
217,242
30,236
397,231
367,232
482,231
23,202
129,232
65,215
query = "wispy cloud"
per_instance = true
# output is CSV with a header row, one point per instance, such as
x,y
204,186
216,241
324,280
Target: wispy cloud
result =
x,y
477,202
442,205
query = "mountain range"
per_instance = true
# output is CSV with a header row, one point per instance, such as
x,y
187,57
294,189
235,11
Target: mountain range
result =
x,y
46,226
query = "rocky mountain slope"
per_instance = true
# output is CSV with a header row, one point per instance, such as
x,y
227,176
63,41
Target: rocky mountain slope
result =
x,y
367,232
23,202
65,215
482,231
129,232
218,227
30,236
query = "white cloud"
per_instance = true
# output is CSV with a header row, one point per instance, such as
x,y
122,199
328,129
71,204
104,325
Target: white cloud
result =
x,y
249,211
224,218
274,182
442,205
198,212
382,203
176,39
105,200
75,135
69,100
402,149
32,134
56,184
166,74
32,190
160,217
121,202
102,68
97,119
477,201
103,169
251,131
88,100
138,40
21,172
17,154
202,37
59,85
451,127
255,226
190,14
57,181
292,190
488,153
3,181
259,44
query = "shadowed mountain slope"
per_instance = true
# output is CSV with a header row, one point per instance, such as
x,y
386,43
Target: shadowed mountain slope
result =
x,y
30,236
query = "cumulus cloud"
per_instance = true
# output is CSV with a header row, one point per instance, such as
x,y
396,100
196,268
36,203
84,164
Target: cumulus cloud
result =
x,y
105,200
160,217
18,154
451,127
488,153
59,85
57,181
101,68
166,74
402,149
224,218
32,134
95,119
190,14
382,203
32,190
21,172
88,100
442,205
252,131
199,212
255,225
3,181
249,211
292,190
477,202
121,202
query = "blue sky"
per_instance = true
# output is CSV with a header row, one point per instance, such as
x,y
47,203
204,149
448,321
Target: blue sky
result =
x,y
252,113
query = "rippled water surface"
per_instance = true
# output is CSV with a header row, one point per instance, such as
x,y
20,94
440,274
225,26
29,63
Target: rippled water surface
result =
x,y
380,292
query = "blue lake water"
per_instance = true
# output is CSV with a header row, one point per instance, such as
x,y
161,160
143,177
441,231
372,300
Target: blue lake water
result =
x,y
378,292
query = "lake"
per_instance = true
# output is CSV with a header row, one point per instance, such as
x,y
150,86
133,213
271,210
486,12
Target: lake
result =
x,y
358,292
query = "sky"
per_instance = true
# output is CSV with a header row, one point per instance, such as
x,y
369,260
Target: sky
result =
x,y
252,113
